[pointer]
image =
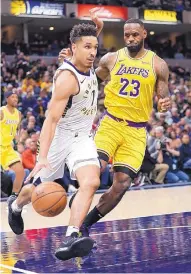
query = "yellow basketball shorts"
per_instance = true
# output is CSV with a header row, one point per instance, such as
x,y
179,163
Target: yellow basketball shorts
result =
x,y
8,156
124,144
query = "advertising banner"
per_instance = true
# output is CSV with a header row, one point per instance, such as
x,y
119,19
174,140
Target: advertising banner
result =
x,y
31,7
160,15
107,12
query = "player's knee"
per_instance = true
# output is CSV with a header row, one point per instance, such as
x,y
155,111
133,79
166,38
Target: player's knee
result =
x,y
122,184
95,183
90,184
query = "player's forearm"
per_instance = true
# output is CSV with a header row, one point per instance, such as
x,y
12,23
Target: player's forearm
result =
x,y
46,136
163,91
99,29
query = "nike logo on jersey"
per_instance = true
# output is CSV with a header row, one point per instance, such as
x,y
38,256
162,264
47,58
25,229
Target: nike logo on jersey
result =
x,y
146,63
122,60
82,81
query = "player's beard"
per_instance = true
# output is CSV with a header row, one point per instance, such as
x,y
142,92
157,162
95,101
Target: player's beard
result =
x,y
14,105
135,48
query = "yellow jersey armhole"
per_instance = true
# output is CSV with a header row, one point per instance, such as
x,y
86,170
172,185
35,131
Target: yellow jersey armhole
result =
x,y
153,69
115,61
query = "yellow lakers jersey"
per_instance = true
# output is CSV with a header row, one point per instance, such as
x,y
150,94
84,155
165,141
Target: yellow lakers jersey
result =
x,y
129,94
9,126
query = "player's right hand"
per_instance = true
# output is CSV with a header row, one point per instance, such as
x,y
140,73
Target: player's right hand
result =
x,y
42,163
64,54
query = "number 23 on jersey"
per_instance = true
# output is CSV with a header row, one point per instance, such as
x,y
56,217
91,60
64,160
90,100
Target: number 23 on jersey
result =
x,y
129,88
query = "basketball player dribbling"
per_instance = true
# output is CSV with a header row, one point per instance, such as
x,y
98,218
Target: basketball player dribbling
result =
x,y
135,74
65,139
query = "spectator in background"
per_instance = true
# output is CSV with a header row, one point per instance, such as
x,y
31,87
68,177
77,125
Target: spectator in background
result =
x,y
28,82
187,4
20,148
20,76
175,115
185,152
39,111
27,143
23,136
45,97
29,100
179,5
170,156
155,152
187,118
24,122
35,136
182,86
187,103
32,125
31,128
29,156
46,84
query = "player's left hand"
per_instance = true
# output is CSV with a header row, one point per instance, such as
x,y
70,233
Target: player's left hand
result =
x,y
65,53
42,163
96,19
164,104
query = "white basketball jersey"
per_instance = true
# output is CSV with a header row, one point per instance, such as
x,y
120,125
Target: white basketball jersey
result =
x,y
81,108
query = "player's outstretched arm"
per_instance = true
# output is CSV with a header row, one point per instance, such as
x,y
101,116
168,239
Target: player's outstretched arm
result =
x,y
96,19
162,73
66,85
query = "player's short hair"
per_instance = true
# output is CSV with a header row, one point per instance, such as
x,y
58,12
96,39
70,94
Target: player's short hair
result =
x,y
135,21
81,30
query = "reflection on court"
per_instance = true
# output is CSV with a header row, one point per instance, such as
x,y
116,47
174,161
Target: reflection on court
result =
x,y
147,244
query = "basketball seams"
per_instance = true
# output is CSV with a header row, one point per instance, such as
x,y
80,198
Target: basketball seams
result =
x,y
51,205
50,193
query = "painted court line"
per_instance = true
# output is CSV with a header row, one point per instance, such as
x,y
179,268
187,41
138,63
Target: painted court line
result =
x,y
17,269
142,229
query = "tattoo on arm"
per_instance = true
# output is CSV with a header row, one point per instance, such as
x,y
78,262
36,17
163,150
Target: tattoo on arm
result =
x,y
105,65
162,80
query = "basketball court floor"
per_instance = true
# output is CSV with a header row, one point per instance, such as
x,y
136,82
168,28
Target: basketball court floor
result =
x,y
148,232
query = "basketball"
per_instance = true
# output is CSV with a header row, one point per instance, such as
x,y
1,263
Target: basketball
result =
x,y
49,199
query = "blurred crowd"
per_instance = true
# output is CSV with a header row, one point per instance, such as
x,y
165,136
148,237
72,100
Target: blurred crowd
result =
x,y
168,157
39,45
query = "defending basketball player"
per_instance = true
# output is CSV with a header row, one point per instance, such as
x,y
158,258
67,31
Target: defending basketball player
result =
x,y
10,124
65,139
136,73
